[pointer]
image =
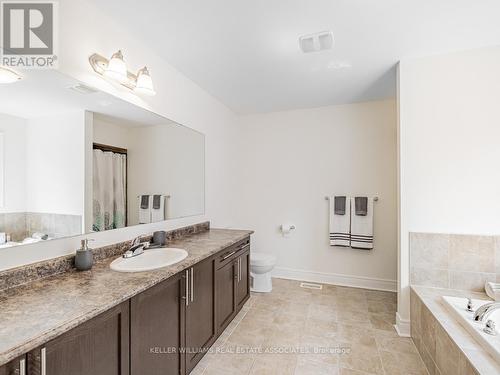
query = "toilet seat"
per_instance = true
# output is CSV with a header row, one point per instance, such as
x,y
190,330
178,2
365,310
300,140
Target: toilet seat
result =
x,y
262,259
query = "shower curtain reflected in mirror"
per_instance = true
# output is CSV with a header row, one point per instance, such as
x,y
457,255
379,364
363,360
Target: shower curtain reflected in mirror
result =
x,y
109,190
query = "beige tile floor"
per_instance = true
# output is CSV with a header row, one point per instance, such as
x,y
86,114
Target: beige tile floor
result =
x,y
334,331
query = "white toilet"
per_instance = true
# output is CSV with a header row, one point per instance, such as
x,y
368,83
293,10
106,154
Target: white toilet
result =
x,y
261,265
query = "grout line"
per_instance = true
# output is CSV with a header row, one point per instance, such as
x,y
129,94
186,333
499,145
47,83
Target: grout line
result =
x,y
232,330
380,357
420,356
249,305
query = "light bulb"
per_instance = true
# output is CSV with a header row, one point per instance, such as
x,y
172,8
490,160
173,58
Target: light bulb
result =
x,y
117,69
144,83
8,76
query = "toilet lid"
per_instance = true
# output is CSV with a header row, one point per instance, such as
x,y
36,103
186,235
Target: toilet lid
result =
x,y
262,259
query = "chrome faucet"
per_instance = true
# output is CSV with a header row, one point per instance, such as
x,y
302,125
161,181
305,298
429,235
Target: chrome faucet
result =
x,y
137,248
484,311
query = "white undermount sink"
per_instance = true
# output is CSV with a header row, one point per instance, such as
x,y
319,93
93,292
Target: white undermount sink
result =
x,y
149,260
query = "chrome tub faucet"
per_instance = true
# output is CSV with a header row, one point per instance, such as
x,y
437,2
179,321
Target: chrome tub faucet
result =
x,y
484,311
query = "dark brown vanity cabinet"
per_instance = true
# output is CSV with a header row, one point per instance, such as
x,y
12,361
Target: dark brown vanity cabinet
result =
x,y
232,282
243,280
99,346
172,323
225,291
157,329
16,367
164,330
201,330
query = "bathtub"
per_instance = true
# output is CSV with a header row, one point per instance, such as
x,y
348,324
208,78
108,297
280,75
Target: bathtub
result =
x,y
458,308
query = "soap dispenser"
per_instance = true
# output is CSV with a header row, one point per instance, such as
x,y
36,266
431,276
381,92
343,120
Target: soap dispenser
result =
x,y
84,258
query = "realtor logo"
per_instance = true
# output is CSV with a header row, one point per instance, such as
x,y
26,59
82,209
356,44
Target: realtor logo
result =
x,y
28,34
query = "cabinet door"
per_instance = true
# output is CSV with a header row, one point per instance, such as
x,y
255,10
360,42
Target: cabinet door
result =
x,y
157,329
99,346
16,367
243,279
200,312
225,291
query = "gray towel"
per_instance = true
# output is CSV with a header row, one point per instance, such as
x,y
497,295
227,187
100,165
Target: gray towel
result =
x,y
156,202
361,206
339,206
40,236
144,202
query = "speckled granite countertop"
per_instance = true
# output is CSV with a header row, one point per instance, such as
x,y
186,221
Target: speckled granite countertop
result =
x,y
475,353
35,313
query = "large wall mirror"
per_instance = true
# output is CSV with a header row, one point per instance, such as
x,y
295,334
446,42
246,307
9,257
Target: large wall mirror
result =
x,y
75,160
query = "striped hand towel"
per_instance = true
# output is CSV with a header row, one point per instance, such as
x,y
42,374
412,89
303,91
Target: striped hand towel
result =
x,y
362,223
340,221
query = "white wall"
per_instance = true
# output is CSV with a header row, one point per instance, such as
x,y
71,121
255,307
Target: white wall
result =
x,y
296,158
171,164
449,150
55,152
178,99
43,163
107,133
14,155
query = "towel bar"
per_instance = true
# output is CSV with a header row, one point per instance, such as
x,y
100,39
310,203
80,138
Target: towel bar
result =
x,y
166,196
375,199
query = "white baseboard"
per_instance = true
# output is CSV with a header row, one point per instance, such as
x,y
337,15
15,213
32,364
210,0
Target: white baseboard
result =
x,y
335,279
402,326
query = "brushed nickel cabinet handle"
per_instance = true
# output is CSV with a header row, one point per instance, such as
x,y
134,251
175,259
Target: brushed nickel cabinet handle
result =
x,y
187,288
43,361
239,269
224,257
22,367
243,246
192,285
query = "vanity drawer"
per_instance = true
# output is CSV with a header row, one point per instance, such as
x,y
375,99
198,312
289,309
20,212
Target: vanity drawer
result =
x,y
232,252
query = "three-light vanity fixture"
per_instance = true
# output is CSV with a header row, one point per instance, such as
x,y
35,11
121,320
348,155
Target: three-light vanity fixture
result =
x,y
116,70
8,75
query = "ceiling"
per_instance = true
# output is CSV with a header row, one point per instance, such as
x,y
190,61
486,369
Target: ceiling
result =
x,y
245,53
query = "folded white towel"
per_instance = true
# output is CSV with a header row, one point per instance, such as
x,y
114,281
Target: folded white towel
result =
x,y
492,290
340,225
158,214
145,213
362,227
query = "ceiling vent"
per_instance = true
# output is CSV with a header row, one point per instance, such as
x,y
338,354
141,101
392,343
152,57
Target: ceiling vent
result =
x,y
316,42
83,89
